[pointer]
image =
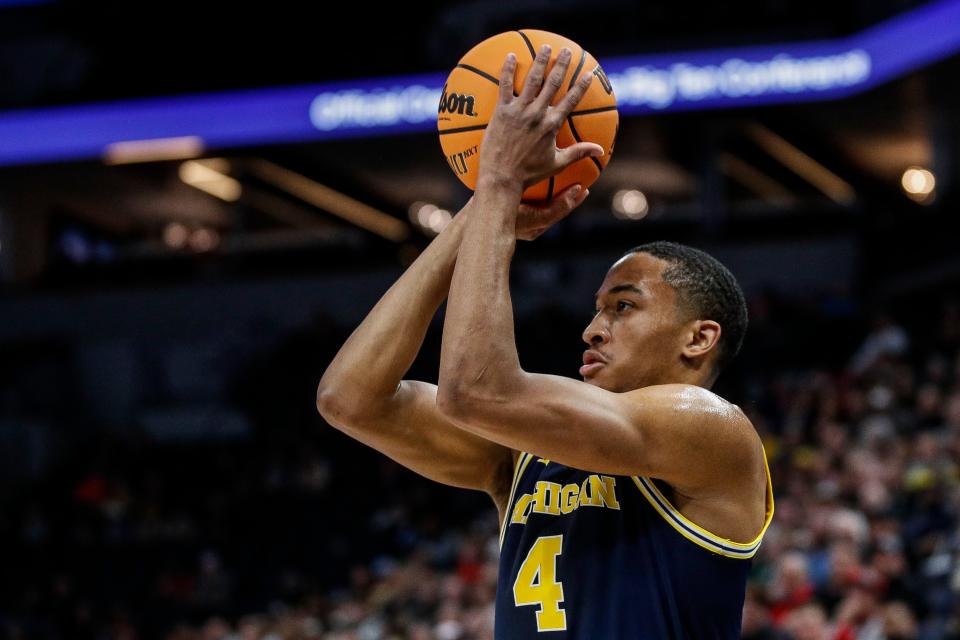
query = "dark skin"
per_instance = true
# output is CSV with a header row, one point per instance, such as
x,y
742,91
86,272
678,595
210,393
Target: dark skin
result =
x,y
363,391
642,408
645,411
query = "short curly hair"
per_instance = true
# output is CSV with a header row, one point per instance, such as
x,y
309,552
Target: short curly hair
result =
x,y
706,289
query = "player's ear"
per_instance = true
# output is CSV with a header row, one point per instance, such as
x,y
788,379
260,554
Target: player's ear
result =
x,y
702,338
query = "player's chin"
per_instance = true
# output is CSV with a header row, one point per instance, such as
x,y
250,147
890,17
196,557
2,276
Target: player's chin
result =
x,y
595,377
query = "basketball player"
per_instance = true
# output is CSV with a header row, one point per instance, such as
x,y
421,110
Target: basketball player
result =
x,y
631,501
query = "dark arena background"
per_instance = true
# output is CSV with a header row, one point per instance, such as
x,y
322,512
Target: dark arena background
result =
x,y
199,204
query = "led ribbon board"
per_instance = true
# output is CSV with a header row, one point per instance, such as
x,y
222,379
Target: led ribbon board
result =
x,y
735,77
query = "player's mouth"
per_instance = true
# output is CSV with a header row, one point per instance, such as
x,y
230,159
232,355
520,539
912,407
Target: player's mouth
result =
x,y
593,361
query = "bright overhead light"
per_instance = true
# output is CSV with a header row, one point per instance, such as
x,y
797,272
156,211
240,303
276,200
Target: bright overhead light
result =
x,y
330,200
210,176
826,181
439,219
429,217
413,210
424,211
630,204
154,150
918,183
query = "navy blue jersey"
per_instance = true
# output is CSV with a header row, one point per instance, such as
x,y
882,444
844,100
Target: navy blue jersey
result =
x,y
597,557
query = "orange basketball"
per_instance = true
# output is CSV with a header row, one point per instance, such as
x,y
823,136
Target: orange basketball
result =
x,y
470,96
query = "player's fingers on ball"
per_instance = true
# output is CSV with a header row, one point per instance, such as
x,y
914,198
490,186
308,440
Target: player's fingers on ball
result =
x,y
555,80
533,215
526,210
543,215
575,195
580,197
561,205
575,95
572,198
535,76
576,199
579,151
567,198
507,72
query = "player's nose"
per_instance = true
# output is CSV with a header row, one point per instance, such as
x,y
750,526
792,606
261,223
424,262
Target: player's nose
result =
x,y
596,332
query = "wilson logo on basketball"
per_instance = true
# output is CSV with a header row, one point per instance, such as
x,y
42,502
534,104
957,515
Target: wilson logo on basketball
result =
x,y
456,103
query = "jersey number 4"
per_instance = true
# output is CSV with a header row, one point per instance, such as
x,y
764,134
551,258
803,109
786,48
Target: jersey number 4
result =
x,y
537,584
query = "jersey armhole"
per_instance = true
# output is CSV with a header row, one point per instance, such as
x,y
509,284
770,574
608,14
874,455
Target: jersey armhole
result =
x,y
522,461
697,534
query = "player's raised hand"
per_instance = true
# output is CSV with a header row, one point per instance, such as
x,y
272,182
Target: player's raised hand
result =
x,y
520,142
533,220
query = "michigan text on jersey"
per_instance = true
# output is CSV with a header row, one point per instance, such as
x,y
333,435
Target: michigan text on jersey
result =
x,y
551,498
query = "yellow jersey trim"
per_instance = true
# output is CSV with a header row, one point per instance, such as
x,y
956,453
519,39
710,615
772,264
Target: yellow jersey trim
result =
x,y
522,461
697,534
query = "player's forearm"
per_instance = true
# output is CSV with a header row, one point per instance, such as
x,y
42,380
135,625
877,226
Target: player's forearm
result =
x,y
367,370
479,355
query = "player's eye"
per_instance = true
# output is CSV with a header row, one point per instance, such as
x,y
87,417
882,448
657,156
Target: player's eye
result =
x,y
623,305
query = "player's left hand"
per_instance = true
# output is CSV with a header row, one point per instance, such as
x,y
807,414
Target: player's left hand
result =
x,y
520,143
534,219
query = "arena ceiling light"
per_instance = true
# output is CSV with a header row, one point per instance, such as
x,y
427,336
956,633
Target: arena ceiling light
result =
x,y
156,150
829,183
330,200
630,204
211,176
919,184
755,180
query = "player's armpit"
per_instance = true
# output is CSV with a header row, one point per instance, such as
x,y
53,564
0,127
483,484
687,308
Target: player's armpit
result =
x,y
410,429
682,434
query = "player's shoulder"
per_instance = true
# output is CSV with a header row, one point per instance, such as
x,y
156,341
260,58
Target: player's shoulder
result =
x,y
690,398
709,433
700,410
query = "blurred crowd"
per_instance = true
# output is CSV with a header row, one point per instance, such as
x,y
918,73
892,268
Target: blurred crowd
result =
x,y
300,534
865,544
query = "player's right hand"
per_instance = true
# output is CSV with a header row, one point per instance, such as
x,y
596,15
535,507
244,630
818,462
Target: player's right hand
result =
x,y
520,143
534,219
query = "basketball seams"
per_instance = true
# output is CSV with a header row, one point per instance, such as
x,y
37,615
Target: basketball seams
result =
x,y
587,112
483,74
601,112
576,72
582,160
576,136
479,72
526,41
476,127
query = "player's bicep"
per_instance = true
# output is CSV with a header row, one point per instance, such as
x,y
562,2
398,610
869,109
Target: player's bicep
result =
x,y
682,434
413,432
693,439
557,418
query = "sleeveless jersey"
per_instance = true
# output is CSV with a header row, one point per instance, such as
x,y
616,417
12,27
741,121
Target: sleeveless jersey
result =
x,y
594,557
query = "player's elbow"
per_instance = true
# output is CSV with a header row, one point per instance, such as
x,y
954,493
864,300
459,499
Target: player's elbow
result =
x,y
329,405
335,406
460,402
452,400
464,402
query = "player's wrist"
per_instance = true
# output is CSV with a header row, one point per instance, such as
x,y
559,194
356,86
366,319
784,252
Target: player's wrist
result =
x,y
498,182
